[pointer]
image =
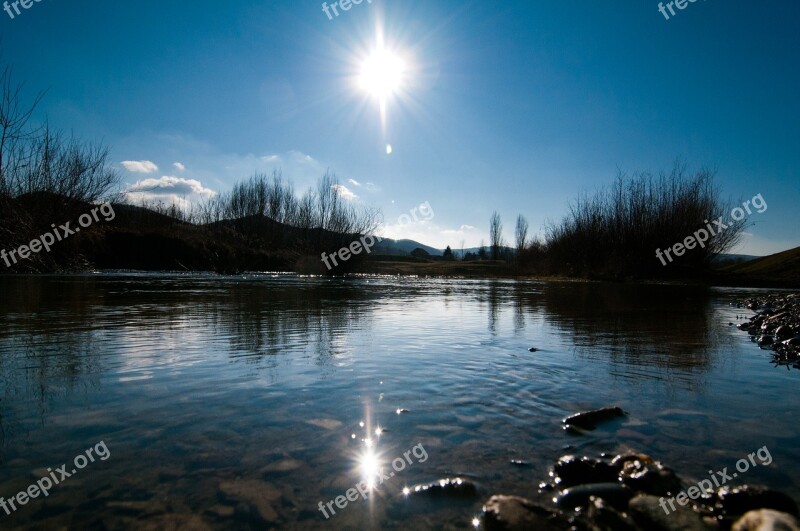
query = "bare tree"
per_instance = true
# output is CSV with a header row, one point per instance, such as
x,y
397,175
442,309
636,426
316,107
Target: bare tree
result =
x,y
521,233
14,119
496,235
56,173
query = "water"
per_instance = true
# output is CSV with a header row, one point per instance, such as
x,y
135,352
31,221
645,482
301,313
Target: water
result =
x,y
209,390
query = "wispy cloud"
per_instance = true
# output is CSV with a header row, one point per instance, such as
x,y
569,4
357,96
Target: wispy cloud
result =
x,y
179,166
366,186
139,166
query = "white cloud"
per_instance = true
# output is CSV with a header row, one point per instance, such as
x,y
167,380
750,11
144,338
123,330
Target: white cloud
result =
x,y
169,190
354,182
344,192
461,231
139,166
179,166
221,169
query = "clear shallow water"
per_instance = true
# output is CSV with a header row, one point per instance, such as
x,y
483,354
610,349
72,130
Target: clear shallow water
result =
x,y
210,389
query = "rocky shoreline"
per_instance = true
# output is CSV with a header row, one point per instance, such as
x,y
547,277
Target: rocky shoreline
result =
x,y
631,492
625,492
775,326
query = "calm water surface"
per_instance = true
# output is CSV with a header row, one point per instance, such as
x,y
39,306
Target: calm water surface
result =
x,y
211,390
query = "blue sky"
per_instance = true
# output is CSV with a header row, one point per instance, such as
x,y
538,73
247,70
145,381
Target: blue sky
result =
x,y
514,106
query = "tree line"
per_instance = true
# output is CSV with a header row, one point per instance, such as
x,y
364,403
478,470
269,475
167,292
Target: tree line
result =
x,y
616,231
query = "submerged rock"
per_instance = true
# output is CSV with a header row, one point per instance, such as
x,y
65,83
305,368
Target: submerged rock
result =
x,y
513,513
174,522
253,498
589,420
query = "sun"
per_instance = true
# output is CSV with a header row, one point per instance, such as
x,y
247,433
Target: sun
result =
x,y
382,74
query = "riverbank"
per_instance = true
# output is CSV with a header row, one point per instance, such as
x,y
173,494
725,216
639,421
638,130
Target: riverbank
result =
x,y
409,266
775,326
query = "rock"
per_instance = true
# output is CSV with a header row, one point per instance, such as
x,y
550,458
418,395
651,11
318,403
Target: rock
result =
x,y
764,341
512,513
648,512
650,477
735,501
589,420
533,349
570,471
614,494
453,488
602,517
784,332
793,342
775,317
620,460
256,498
766,520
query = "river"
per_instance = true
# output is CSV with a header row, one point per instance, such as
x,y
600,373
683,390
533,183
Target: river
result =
x,y
243,402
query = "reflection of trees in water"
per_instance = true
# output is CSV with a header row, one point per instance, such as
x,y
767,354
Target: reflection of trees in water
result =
x,y
634,324
261,320
658,325
56,338
46,349
498,294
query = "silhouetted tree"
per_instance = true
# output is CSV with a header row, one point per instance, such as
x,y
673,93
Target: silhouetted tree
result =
x,y
496,235
521,233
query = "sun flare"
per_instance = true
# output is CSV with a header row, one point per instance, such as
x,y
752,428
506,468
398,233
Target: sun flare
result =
x,y
382,74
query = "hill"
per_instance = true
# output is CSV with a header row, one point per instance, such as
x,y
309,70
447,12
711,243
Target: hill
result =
x,y
783,267
392,247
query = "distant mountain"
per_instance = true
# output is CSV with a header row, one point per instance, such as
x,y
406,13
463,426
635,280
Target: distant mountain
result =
x,y
722,260
392,247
